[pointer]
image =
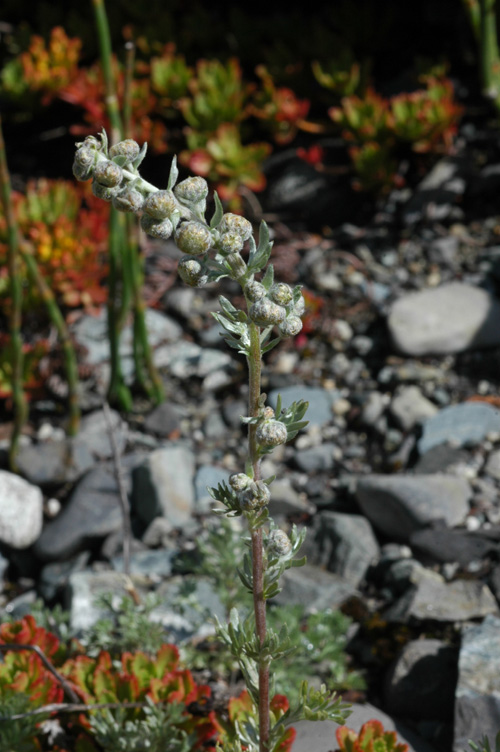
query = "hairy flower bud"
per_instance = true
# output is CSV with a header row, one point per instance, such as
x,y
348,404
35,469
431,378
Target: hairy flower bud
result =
x,y
127,148
157,229
194,238
278,543
160,205
128,200
239,481
266,313
255,496
103,191
300,306
230,242
268,413
84,163
108,173
235,223
238,266
192,271
280,293
192,190
255,291
291,326
271,433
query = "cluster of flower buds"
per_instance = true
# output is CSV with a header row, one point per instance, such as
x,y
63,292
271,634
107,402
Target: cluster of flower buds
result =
x,y
252,495
276,306
278,544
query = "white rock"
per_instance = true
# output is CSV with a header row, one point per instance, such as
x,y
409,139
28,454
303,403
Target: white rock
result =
x,y
409,407
447,319
21,511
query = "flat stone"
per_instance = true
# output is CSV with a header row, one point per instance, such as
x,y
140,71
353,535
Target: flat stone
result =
x,y
314,588
316,458
397,505
420,684
344,544
447,319
409,407
164,485
440,544
21,511
55,462
466,424
437,600
91,513
164,421
477,703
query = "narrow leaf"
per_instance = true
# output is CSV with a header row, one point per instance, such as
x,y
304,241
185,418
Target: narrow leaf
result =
x,y
219,211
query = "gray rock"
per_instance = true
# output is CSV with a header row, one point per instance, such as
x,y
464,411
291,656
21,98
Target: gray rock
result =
x,y
477,703
91,332
94,433
314,588
55,462
432,598
409,407
285,500
442,320
316,458
441,458
466,424
320,401
319,736
373,408
151,565
492,467
185,618
54,577
344,544
164,420
421,682
187,359
440,544
207,475
92,513
21,511
397,505
82,590
164,485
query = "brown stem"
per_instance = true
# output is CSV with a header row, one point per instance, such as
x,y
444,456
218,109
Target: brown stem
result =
x,y
259,603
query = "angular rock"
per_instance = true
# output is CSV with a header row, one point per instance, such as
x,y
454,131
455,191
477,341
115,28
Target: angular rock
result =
x,y
164,485
442,320
477,703
164,421
437,600
409,407
21,511
440,544
420,684
397,505
314,588
466,424
316,458
343,544
55,462
91,513
94,433
314,736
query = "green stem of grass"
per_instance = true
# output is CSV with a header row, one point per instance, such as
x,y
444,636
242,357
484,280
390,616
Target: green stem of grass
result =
x,y
16,294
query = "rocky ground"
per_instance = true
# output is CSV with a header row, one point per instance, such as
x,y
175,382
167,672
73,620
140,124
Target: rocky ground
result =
x,y
397,476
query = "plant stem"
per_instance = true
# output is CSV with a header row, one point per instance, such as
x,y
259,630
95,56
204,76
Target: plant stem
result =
x,y
259,603
18,395
63,333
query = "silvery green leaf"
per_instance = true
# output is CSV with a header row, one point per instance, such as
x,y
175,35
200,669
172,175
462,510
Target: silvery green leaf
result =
x,y
268,278
120,160
174,174
270,345
227,306
218,213
139,158
104,142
